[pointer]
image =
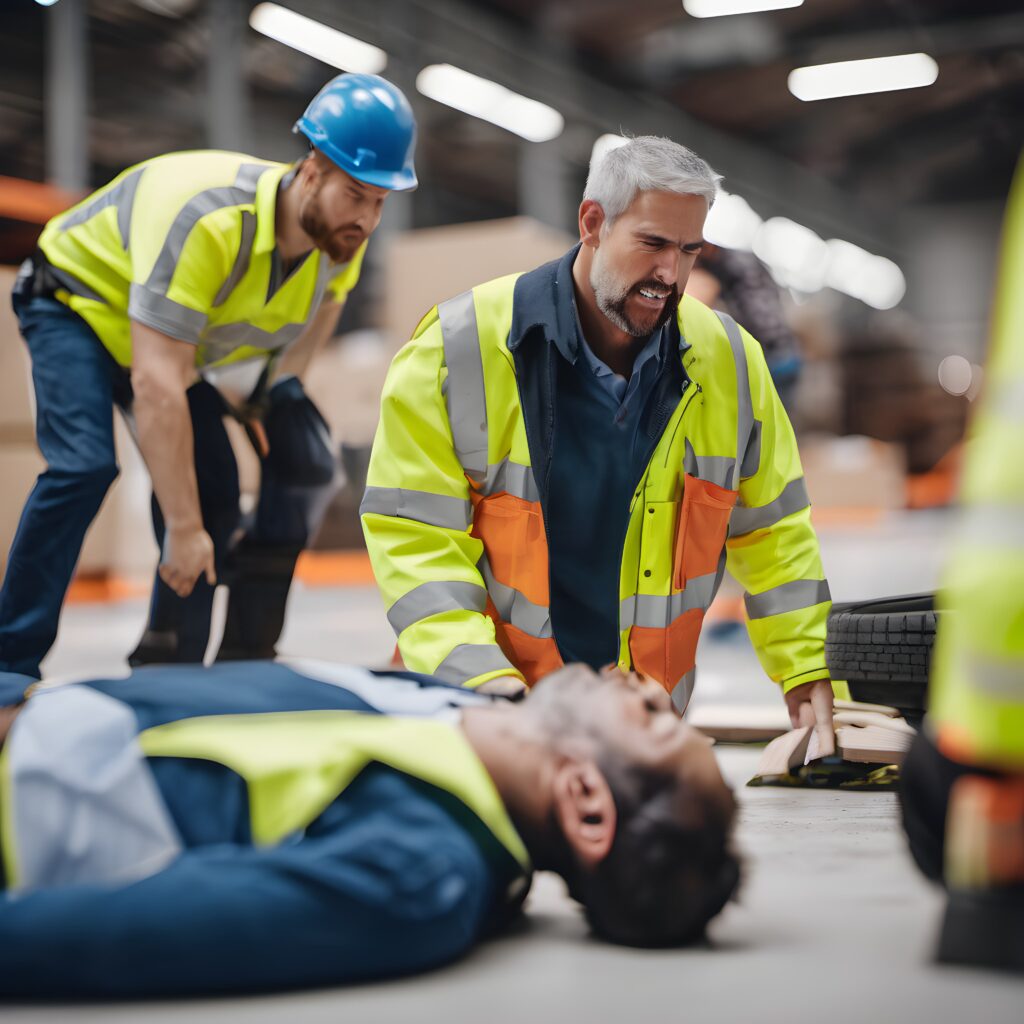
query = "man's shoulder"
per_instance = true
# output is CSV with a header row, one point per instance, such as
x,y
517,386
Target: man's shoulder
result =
x,y
200,169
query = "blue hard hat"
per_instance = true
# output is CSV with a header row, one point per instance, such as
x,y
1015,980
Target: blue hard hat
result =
x,y
365,125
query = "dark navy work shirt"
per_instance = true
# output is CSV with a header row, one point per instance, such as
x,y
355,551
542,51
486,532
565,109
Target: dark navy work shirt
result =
x,y
598,457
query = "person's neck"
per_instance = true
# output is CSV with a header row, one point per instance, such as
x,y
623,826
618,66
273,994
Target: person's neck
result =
x,y
613,346
292,242
505,739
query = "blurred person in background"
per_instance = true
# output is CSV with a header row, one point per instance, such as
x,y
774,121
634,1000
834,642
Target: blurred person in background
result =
x,y
568,459
183,271
739,283
963,782
262,826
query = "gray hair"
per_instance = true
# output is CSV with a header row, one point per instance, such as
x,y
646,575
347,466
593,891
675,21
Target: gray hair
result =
x,y
648,163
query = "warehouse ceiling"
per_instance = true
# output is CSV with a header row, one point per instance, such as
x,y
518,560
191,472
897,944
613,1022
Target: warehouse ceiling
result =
x,y
955,141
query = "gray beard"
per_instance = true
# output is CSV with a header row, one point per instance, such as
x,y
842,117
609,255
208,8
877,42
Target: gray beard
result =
x,y
611,298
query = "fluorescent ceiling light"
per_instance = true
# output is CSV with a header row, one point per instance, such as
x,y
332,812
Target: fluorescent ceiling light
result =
x,y
719,8
856,272
795,255
489,101
731,223
857,77
319,41
603,145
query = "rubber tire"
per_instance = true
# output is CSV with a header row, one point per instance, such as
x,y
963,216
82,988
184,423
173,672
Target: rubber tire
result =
x,y
883,649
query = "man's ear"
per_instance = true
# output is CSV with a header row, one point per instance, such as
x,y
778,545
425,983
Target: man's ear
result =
x,y
591,218
585,809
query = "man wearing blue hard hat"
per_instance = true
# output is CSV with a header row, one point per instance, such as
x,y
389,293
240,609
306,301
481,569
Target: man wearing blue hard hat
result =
x,y
192,287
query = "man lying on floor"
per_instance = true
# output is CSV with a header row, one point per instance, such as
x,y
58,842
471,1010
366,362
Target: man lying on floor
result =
x,y
259,825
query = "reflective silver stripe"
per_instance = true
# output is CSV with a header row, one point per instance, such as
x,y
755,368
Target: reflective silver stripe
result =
x,y
420,506
85,808
655,611
683,690
516,608
125,203
1003,679
995,526
469,660
787,597
465,395
121,195
744,405
73,285
433,599
227,337
248,233
1007,398
792,499
511,477
716,469
201,204
752,456
155,310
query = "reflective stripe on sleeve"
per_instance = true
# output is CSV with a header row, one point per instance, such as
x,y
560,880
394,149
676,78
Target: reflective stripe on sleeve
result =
x,y
513,478
465,395
787,597
515,607
435,598
155,310
792,499
469,660
421,506
682,691
994,526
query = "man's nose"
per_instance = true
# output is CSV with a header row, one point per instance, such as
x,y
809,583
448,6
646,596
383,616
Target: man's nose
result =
x,y
667,269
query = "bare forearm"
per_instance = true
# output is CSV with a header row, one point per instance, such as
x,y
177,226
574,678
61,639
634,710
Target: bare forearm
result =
x,y
165,440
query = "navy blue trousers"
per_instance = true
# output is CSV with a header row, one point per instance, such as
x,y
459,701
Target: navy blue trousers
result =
x,y
77,384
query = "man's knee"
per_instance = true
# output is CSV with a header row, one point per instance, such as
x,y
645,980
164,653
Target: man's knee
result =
x,y
87,479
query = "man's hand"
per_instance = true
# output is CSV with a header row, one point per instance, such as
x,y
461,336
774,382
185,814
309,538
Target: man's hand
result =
x,y
504,686
811,704
187,554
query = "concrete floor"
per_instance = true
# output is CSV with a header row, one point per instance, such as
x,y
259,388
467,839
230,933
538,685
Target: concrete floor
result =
x,y
833,923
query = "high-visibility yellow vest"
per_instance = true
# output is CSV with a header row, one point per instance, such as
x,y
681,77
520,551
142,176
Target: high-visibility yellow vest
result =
x,y
185,244
977,686
455,530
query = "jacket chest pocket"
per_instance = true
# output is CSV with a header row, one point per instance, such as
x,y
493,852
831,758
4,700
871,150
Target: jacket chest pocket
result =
x,y
703,525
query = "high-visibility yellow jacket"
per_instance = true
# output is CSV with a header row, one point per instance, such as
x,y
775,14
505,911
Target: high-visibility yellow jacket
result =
x,y
976,702
185,243
454,508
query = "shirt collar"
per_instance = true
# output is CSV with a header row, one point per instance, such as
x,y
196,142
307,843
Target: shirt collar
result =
x,y
266,205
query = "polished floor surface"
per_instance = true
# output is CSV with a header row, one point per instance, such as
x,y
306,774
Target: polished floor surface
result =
x,y
833,924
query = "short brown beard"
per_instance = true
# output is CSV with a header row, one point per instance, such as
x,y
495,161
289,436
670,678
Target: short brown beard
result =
x,y
312,222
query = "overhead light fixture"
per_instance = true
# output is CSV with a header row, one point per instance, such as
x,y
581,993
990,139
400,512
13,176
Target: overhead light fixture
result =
x,y
603,145
795,255
858,77
480,97
319,41
731,223
856,272
720,8
46,3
